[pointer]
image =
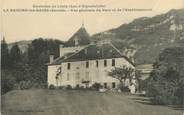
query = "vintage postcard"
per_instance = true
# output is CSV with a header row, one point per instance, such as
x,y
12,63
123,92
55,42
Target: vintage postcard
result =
x,y
92,57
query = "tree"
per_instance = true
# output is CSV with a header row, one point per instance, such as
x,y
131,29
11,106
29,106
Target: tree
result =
x,y
27,70
5,59
121,74
7,81
35,50
166,81
38,56
141,85
40,49
15,55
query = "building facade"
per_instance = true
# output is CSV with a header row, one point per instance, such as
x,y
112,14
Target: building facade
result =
x,y
83,61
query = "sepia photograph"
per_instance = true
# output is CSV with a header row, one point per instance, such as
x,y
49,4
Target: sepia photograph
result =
x,y
92,57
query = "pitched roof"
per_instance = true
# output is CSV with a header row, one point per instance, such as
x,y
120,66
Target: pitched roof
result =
x,y
92,52
59,60
81,35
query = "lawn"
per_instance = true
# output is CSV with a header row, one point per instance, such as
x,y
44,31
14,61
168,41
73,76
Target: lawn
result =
x,y
58,102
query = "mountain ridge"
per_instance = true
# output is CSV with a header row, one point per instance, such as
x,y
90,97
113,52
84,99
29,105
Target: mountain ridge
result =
x,y
147,35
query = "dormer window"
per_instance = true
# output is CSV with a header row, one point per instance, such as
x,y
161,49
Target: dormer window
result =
x,y
76,40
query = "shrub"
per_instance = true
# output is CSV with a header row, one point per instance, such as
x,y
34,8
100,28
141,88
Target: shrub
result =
x,y
86,83
68,87
124,89
142,85
81,87
164,93
61,87
7,81
44,85
52,87
166,81
77,86
96,86
36,85
25,85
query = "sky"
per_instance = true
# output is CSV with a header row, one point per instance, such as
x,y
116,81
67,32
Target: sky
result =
x,y
16,26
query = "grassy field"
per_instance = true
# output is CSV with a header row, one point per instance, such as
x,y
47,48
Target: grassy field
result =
x,y
57,102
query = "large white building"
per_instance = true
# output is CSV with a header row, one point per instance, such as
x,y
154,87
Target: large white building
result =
x,y
83,60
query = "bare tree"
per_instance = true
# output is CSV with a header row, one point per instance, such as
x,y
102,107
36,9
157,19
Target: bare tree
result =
x,y
121,73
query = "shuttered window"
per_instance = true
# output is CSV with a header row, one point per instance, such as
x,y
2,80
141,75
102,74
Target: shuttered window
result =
x,y
113,62
69,66
96,63
87,64
105,63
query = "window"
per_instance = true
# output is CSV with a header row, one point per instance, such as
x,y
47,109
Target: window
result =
x,y
68,77
105,85
96,63
77,75
113,62
105,63
87,64
68,66
87,76
76,40
98,52
113,85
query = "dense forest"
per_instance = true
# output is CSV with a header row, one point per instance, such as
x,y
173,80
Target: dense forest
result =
x,y
26,70
166,82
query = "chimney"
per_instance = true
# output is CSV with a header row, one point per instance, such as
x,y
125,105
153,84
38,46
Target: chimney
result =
x,y
85,51
51,57
61,50
132,59
61,46
92,42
